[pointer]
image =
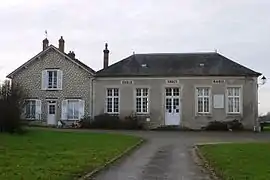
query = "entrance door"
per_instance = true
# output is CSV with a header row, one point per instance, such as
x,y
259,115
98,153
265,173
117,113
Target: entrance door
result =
x,y
51,116
172,106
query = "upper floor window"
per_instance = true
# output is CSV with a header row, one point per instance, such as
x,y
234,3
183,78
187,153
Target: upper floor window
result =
x,y
203,99
52,79
233,99
112,100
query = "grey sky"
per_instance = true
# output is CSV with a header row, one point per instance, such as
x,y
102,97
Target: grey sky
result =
x,y
238,29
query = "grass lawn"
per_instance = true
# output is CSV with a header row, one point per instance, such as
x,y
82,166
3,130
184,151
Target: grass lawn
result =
x,y
45,154
249,161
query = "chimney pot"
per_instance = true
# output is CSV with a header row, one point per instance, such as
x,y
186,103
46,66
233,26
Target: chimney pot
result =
x,y
106,56
62,44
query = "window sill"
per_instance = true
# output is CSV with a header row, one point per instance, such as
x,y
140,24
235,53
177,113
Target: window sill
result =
x,y
233,114
203,115
52,89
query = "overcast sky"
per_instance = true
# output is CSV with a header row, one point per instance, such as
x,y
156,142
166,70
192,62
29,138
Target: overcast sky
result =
x,y
240,30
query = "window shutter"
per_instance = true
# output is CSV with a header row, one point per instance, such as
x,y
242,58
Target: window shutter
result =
x,y
64,110
44,80
59,79
38,109
81,108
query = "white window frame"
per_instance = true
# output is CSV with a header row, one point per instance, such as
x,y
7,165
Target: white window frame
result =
x,y
37,115
77,101
53,79
112,97
141,97
203,96
58,77
233,96
65,109
30,100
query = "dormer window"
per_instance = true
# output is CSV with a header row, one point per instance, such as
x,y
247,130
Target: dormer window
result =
x,y
144,65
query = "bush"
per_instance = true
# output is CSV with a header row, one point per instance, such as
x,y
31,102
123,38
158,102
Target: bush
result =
x,y
11,106
216,126
107,121
85,122
234,125
132,122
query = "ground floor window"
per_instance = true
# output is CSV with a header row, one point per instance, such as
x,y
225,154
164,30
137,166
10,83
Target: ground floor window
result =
x,y
142,100
203,99
233,99
112,100
30,109
73,109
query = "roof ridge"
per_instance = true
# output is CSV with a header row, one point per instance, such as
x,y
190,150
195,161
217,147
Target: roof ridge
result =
x,y
177,53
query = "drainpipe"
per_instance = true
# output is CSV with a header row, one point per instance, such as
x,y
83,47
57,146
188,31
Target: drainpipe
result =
x,y
92,97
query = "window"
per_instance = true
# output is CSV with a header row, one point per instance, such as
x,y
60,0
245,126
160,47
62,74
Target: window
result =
x,y
52,79
73,109
142,100
203,100
30,109
112,105
233,95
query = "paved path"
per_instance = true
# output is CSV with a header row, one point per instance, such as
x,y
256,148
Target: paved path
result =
x,y
167,156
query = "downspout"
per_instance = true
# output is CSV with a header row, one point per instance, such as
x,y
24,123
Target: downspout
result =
x,y
92,97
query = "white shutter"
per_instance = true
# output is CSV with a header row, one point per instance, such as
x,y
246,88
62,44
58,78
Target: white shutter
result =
x,y
44,80
59,79
38,110
81,108
64,109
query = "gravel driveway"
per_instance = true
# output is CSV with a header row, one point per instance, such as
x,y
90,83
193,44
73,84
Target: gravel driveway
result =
x,y
168,156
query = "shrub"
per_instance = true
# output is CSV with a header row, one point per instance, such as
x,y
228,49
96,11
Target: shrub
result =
x,y
216,126
11,106
132,122
235,125
85,122
106,121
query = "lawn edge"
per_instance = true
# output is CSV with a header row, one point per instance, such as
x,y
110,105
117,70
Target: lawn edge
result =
x,y
128,151
206,165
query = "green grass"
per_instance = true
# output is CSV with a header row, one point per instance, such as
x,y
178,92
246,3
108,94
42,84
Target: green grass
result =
x,y
248,161
45,154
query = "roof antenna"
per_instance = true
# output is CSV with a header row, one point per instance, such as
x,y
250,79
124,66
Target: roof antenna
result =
x,y
215,50
133,52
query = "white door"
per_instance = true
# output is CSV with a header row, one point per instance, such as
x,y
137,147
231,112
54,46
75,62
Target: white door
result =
x,y
51,115
172,106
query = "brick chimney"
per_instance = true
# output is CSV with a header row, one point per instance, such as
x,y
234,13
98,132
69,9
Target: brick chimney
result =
x,y
71,54
45,43
61,44
106,56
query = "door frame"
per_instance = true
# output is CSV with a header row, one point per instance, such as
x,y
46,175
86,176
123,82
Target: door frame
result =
x,y
163,90
49,102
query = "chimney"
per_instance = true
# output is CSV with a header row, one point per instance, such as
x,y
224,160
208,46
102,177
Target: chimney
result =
x,y
45,43
106,56
71,54
61,44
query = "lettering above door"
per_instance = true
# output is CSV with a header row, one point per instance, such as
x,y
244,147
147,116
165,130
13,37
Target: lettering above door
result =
x,y
172,81
127,82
